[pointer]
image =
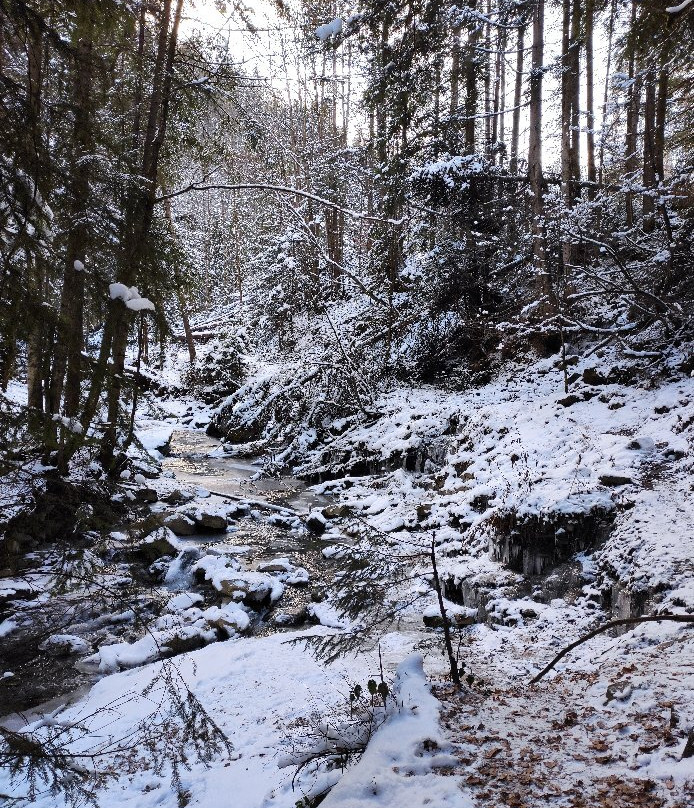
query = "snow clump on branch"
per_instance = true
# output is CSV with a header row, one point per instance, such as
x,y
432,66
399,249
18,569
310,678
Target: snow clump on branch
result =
x,y
333,28
130,296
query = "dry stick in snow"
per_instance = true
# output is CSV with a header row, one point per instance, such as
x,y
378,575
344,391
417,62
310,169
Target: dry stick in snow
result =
x,y
626,621
455,674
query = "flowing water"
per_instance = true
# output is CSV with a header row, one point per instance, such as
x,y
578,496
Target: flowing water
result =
x,y
196,458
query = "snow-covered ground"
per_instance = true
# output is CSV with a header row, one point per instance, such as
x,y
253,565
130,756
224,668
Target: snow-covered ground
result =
x,y
550,515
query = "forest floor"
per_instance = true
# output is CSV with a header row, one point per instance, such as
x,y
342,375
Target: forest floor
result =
x,y
607,727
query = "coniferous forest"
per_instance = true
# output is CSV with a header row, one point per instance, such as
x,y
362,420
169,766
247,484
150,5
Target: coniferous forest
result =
x,y
347,403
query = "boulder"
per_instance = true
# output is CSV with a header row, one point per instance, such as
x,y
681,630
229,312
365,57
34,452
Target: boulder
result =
x,y
294,617
157,544
176,497
614,480
336,511
230,619
570,400
180,524
63,645
210,521
593,377
146,495
316,522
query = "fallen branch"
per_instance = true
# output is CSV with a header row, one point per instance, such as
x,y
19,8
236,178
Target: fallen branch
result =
x,y
281,189
626,621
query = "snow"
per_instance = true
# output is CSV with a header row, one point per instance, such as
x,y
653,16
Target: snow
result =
x,y
681,7
328,29
327,615
65,643
130,295
184,600
399,766
255,689
224,574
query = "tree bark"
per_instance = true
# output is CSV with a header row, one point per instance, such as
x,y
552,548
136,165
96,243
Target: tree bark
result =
x,y
138,223
590,101
535,174
649,158
517,95
633,104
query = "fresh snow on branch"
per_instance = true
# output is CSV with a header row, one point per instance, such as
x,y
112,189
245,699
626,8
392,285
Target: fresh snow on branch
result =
x,y
130,296
681,7
329,29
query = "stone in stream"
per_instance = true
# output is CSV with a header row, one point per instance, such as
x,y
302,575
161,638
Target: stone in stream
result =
x,y
253,588
62,645
176,497
160,542
316,522
180,524
614,480
146,495
336,511
210,521
294,617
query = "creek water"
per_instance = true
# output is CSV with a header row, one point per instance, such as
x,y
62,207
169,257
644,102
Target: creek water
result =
x,y
196,458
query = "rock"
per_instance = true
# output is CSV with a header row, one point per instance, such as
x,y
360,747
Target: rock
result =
x,y
336,511
253,588
183,643
662,410
159,543
211,521
436,621
423,511
180,524
620,691
528,614
146,495
593,377
316,522
62,645
533,543
291,618
570,400
282,521
614,480
176,497
276,565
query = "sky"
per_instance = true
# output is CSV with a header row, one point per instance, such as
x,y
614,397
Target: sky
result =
x,y
259,53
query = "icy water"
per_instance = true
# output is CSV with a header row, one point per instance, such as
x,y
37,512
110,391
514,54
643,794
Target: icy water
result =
x,y
196,458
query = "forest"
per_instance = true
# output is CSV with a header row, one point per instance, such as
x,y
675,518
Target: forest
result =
x,y
347,403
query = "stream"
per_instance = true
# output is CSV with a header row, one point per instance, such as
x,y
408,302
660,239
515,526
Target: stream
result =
x,y
268,531
40,683
197,459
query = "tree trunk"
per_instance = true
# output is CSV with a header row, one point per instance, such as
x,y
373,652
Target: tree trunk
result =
x,y
649,159
535,175
517,95
66,372
138,224
471,85
633,104
590,102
